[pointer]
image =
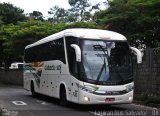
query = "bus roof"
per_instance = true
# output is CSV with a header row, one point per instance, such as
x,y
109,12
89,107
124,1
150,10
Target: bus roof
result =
x,y
82,33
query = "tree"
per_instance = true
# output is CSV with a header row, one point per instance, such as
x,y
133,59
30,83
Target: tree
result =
x,y
79,9
10,13
136,19
91,25
36,15
58,14
23,33
16,37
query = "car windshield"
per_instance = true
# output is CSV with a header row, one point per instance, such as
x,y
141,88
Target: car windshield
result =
x,y
106,62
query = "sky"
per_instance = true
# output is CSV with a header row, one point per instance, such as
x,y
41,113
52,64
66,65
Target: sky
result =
x,y
42,6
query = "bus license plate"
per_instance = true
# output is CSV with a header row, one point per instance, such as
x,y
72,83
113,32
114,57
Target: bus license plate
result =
x,y
109,100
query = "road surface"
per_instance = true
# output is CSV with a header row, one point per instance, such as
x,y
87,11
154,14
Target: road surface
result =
x,y
15,101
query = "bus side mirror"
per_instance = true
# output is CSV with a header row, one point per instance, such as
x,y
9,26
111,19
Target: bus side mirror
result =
x,y
77,51
138,53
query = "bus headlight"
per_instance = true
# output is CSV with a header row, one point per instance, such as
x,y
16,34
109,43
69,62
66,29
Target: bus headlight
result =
x,y
130,98
86,98
89,89
129,87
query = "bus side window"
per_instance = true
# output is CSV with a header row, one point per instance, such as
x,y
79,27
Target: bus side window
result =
x,y
56,48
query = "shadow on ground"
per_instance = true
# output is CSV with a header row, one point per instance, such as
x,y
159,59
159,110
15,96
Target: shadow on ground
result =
x,y
78,107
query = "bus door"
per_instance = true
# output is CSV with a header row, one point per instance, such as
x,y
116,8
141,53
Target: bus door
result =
x,y
74,88
74,84
72,69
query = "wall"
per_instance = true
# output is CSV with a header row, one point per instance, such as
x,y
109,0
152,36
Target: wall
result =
x,y
14,77
147,74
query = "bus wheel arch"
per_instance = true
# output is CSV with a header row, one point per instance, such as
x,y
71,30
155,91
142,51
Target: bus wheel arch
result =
x,y
63,95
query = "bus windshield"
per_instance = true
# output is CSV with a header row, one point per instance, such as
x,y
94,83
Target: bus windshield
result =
x,y
106,62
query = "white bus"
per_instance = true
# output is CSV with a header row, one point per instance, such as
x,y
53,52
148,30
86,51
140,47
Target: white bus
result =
x,y
84,66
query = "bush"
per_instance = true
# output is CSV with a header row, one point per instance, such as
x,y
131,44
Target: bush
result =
x,y
0,113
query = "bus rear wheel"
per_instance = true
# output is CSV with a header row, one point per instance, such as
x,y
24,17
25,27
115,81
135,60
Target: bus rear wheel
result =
x,y
63,97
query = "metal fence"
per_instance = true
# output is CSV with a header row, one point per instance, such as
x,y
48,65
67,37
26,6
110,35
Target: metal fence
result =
x,y
147,74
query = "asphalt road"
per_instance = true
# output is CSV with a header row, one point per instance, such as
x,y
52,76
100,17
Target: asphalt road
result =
x,y
15,101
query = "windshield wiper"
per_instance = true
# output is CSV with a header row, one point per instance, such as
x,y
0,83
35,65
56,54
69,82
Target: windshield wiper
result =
x,y
104,64
100,73
99,47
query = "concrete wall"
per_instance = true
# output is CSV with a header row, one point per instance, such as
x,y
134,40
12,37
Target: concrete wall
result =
x,y
14,77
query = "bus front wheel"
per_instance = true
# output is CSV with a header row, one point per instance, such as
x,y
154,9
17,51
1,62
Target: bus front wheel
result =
x,y
33,90
63,96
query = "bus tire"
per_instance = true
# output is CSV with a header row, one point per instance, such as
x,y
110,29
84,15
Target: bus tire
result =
x,y
33,90
63,96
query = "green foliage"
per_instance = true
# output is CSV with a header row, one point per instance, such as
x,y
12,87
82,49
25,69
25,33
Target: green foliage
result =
x,y
83,25
16,37
139,20
58,15
80,11
36,15
24,33
10,13
79,8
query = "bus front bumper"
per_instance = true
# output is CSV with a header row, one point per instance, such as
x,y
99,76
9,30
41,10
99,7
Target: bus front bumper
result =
x,y
89,98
